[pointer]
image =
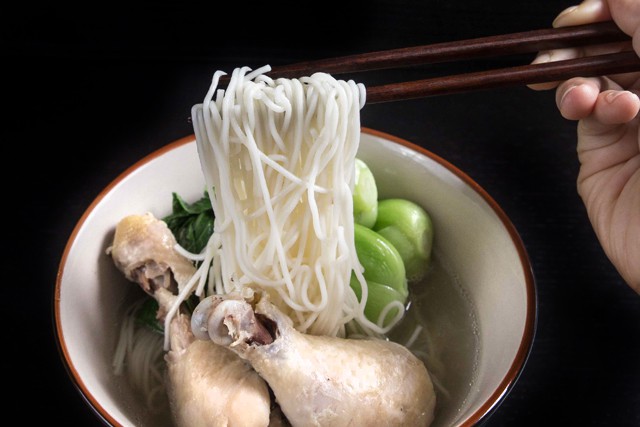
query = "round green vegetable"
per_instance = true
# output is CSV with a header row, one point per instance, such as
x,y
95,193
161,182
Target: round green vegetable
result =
x,y
365,196
408,227
379,297
381,261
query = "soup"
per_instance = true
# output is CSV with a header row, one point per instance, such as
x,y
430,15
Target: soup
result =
x,y
439,327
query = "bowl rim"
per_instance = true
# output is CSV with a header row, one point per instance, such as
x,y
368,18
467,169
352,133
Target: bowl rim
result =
x,y
483,412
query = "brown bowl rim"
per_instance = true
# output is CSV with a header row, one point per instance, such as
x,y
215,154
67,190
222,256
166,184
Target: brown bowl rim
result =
x,y
485,410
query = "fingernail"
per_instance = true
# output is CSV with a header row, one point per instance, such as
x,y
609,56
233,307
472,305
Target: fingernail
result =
x,y
585,12
611,96
564,95
614,94
565,12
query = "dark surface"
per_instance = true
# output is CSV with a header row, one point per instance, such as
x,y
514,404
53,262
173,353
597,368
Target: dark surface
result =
x,y
89,92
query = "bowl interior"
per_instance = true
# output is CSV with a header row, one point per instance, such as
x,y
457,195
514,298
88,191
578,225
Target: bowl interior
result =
x,y
476,243
484,256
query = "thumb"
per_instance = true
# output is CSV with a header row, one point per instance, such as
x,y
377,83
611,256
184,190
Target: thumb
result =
x,y
585,13
626,14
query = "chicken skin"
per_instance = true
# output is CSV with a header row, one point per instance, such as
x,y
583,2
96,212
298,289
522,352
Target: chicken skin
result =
x,y
320,380
207,384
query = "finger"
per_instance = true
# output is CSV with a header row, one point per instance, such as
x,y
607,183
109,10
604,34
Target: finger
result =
x,y
626,14
625,11
614,107
586,12
576,98
599,100
550,56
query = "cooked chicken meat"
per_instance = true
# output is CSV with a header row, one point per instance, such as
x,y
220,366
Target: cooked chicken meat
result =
x,y
319,380
143,249
208,385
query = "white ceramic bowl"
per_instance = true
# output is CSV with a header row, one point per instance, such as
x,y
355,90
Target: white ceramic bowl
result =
x,y
478,246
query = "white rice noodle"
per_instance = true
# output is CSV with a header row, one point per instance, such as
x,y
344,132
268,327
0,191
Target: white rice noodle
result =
x,y
278,159
140,355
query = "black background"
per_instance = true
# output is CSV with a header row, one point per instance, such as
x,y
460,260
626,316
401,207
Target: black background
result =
x,y
91,90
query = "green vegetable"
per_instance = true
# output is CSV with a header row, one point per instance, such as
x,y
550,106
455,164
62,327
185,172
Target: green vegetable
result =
x,y
146,316
383,270
381,261
408,227
379,297
191,224
365,196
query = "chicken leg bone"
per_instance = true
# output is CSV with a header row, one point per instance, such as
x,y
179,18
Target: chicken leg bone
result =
x,y
207,384
320,380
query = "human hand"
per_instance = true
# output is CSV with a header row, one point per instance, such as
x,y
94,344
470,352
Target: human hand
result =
x,y
608,135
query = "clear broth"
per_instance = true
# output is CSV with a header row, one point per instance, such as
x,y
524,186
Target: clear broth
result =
x,y
448,341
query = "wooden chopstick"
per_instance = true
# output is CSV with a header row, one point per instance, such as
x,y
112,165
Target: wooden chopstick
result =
x,y
590,66
485,47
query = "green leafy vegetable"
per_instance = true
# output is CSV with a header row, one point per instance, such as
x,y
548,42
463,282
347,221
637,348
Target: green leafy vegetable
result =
x,y
147,313
146,316
191,224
